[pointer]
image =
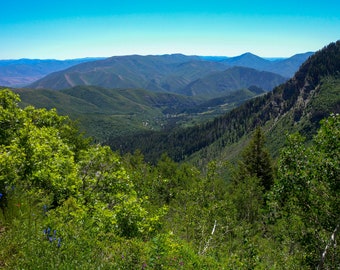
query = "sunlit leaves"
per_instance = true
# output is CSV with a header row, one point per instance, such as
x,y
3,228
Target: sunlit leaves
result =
x,y
10,116
307,188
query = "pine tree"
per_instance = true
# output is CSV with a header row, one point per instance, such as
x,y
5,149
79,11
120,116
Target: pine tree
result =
x,y
256,161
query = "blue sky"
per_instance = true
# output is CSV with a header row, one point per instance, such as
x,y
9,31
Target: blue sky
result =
x,y
73,29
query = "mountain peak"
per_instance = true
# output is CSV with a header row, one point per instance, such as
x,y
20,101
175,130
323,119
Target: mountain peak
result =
x,y
247,54
248,60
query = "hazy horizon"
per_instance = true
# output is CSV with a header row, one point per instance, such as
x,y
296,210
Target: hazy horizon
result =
x,y
104,57
78,29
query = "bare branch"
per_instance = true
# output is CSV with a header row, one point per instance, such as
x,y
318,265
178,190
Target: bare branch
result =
x,y
210,238
324,253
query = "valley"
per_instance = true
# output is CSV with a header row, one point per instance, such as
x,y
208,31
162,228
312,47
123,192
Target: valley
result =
x,y
295,106
170,135
167,162
183,95
124,95
104,113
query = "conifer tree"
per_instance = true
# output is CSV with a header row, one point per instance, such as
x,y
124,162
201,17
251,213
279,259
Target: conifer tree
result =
x,y
256,161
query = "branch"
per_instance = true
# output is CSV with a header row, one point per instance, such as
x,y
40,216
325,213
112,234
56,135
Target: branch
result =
x,y
324,253
210,238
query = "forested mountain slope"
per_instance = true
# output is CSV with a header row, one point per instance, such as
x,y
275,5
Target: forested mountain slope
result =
x,y
223,82
157,73
300,103
165,73
105,112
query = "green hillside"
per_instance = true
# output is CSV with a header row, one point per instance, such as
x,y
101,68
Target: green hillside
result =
x,y
221,83
169,73
108,112
298,104
103,113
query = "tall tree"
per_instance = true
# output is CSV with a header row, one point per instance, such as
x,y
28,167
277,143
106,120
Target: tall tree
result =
x,y
256,161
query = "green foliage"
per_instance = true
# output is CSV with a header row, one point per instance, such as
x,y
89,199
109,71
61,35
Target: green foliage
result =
x,y
10,116
66,204
88,190
247,197
306,192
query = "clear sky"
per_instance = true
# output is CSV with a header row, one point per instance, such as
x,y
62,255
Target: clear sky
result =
x,y
63,29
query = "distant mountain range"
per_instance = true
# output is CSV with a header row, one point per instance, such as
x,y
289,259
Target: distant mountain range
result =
x,y
297,105
165,73
138,105
175,73
285,67
129,94
222,82
21,72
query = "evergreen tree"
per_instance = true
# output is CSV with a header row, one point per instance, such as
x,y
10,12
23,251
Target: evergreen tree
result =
x,y
256,161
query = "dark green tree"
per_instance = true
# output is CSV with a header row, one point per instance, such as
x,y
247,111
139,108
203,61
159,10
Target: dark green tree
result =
x,y
256,161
